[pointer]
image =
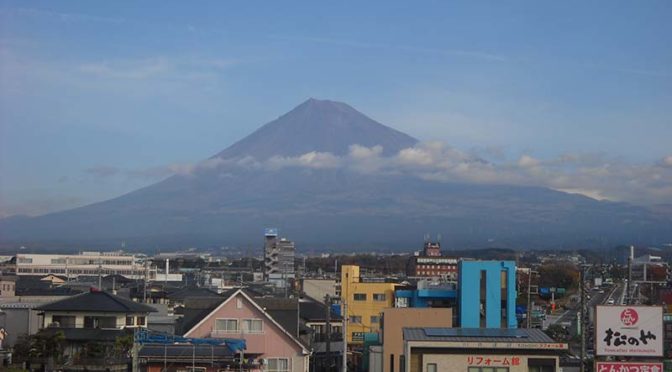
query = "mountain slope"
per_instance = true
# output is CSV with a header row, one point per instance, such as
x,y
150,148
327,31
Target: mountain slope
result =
x,y
334,207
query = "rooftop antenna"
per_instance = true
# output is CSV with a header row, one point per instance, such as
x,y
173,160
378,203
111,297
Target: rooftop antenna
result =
x,y
438,238
426,237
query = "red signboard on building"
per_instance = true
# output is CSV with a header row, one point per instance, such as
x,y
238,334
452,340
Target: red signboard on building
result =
x,y
628,367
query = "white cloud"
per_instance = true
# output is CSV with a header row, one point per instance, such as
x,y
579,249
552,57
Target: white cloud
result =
x,y
594,176
527,161
667,161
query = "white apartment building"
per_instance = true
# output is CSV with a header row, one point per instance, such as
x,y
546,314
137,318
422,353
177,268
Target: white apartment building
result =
x,y
85,263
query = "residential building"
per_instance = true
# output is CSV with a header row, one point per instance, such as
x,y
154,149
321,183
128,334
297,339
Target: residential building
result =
x,y
430,263
396,319
487,294
279,256
85,263
93,318
95,309
238,315
7,286
480,350
363,302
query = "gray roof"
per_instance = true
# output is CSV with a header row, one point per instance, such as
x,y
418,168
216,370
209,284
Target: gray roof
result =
x,y
97,301
519,335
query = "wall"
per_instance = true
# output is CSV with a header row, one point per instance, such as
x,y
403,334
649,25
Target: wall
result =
x,y
470,294
318,288
272,342
462,362
395,319
19,322
79,317
349,286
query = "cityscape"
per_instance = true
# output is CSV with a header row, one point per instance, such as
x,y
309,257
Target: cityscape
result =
x,y
460,186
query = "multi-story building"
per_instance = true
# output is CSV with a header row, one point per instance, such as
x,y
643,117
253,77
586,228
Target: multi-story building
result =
x,y
430,263
85,263
487,294
363,302
278,259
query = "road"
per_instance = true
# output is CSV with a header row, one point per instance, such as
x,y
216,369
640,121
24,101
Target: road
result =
x,y
597,297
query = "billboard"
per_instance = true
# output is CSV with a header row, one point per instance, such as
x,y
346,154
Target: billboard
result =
x,y
629,330
629,367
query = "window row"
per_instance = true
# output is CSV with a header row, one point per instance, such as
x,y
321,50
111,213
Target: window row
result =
x,y
376,297
234,325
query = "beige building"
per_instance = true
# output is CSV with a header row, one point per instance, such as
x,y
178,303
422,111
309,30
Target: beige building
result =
x,y
317,289
7,286
396,319
480,350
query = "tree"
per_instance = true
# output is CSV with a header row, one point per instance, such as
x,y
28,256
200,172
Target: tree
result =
x,y
559,275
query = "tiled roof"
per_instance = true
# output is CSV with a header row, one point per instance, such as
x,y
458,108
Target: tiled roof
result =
x,y
97,301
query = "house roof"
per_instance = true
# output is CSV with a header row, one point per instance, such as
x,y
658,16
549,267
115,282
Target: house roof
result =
x,y
190,292
208,312
518,335
97,301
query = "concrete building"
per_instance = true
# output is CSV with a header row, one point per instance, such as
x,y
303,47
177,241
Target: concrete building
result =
x,y
395,320
279,256
317,289
426,293
85,263
363,302
7,286
487,294
480,350
430,263
19,319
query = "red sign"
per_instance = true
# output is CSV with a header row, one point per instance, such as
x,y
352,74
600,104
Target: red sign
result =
x,y
488,360
628,367
629,317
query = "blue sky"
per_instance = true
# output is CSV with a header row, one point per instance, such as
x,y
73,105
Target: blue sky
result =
x,y
91,88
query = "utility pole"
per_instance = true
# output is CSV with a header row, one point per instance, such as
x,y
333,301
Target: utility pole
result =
x,y
345,336
582,319
529,297
327,301
627,285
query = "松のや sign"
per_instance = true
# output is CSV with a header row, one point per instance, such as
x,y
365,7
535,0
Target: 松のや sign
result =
x,y
629,330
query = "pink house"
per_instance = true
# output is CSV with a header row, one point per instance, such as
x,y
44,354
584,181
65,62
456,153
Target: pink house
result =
x,y
268,343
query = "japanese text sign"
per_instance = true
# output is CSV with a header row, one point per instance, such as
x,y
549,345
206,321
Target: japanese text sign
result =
x,y
629,331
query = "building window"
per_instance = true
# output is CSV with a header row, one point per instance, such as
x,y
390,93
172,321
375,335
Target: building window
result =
x,y
140,321
487,369
129,320
24,260
375,319
360,296
64,321
355,319
226,325
431,367
278,365
379,297
239,303
252,325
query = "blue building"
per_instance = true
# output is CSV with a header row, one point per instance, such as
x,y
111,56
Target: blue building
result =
x,y
426,294
487,294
